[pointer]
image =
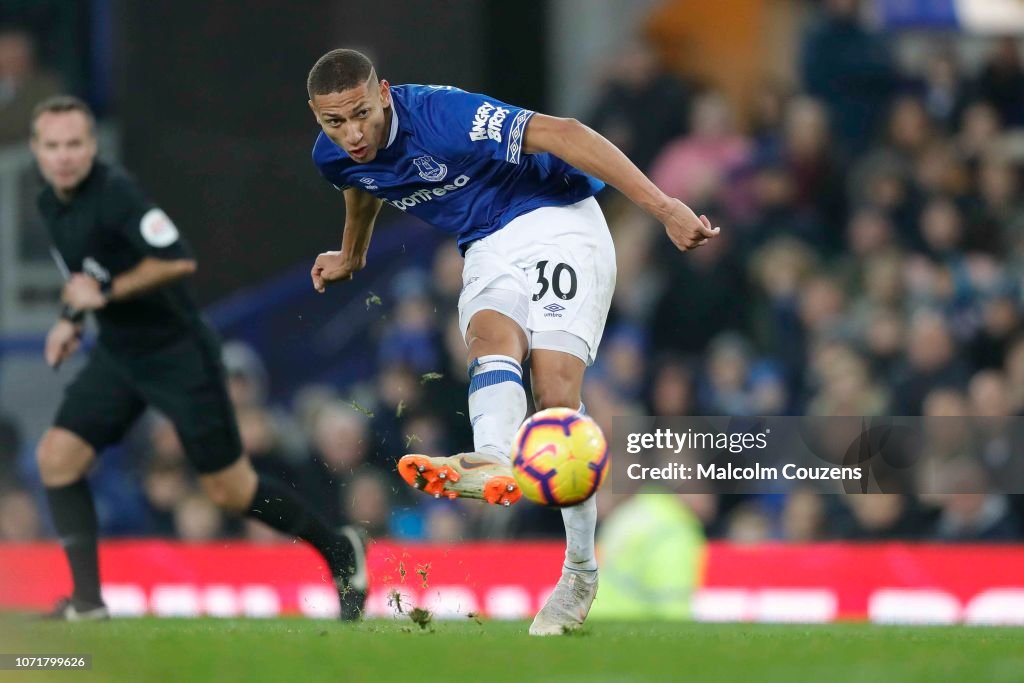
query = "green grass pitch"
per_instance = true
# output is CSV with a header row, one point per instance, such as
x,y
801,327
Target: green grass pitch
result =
x,y
379,651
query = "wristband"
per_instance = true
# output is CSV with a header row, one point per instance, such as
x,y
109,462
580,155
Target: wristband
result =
x,y
106,287
71,315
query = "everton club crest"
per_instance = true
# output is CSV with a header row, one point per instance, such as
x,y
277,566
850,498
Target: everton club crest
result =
x,y
429,169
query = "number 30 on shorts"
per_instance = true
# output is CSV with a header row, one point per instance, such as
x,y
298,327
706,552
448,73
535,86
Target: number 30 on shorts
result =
x,y
559,274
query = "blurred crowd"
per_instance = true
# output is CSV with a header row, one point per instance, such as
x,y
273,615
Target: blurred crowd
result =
x,y
24,81
870,262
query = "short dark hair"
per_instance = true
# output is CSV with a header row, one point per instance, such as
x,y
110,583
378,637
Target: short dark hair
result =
x,y
337,71
59,104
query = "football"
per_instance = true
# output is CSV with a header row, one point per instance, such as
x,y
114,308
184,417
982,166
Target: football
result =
x,y
559,457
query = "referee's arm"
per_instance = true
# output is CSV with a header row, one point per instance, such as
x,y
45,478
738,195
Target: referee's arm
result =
x,y
150,273
164,256
83,293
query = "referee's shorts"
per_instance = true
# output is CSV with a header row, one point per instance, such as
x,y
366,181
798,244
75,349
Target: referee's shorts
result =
x,y
185,381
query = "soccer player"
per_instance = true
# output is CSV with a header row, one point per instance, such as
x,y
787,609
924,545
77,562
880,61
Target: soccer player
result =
x,y
125,262
516,188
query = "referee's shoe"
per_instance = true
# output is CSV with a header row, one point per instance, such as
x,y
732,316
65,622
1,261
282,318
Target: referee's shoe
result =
x,y
67,610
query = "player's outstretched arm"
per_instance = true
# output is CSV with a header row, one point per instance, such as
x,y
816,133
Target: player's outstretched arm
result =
x,y
361,209
589,151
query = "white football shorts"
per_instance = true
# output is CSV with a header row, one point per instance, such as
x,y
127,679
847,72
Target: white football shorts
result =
x,y
552,271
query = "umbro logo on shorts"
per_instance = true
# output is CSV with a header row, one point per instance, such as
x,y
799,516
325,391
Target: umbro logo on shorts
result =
x,y
553,311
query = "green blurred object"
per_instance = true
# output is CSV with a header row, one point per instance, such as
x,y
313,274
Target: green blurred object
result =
x,y
652,553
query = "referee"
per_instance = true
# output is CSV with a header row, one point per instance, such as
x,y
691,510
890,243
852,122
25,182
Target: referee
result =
x,y
125,262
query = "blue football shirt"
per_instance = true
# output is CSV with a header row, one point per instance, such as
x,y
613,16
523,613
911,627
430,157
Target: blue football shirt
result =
x,y
454,159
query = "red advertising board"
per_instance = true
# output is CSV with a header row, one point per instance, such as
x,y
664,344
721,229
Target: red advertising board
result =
x,y
803,583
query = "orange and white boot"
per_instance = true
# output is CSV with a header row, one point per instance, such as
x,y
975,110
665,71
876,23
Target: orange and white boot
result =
x,y
466,475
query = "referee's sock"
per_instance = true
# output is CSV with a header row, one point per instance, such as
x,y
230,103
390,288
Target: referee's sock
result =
x,y
277,505
74,518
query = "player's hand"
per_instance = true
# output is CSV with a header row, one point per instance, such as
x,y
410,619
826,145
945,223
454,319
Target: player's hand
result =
x,y
685,228
333,266
61,342
82,293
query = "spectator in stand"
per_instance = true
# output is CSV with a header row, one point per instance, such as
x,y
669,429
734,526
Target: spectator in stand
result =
x,y
446,276
847,387
822,308
780,269
943,90
773,190
446,522
694,168
989,394
624,114
940,171
197,519
411,336
247,375
725,388
684,323
968,512
399,392
980,131
884,334
803,517
1000,324
880,517
637,284
1001,81
886,185
261,442
622,364
869,236
909,130
22,84
672,388
884,176
445,396
996,208
340,442
367,502
425,433
748,523
942,230
814,163
850,70
766,118
19,517
931,361
1013,365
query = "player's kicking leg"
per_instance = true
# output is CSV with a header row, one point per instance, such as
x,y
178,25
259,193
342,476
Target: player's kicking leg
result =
x,y
549,273
557,382
497,406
